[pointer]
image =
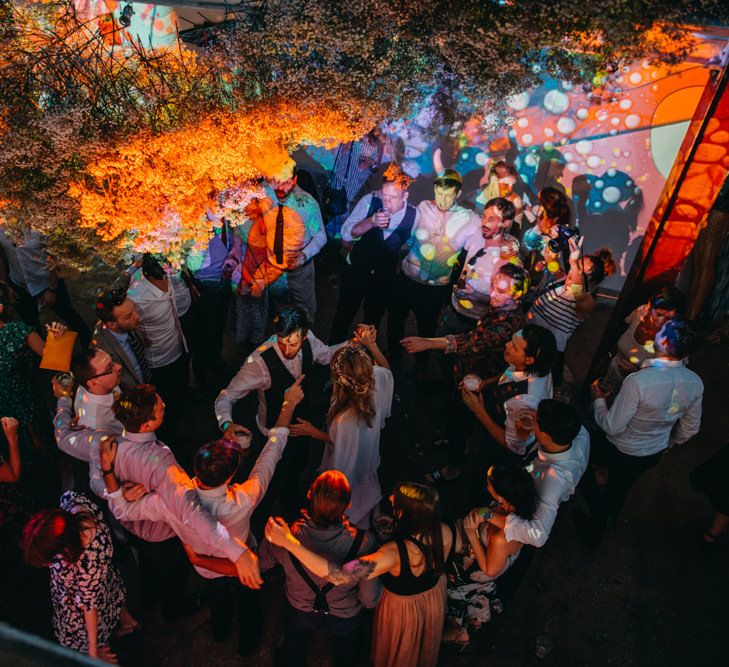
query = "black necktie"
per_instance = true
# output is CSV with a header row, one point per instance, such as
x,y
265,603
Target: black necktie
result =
x,y
138,349
278,239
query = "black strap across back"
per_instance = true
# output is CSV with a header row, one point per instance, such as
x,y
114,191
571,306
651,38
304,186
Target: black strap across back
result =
x,y
321,606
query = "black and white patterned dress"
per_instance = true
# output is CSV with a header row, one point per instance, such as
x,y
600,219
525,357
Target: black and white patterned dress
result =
x,y
92,582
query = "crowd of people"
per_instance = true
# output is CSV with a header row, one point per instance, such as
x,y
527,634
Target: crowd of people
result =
x,y
496,290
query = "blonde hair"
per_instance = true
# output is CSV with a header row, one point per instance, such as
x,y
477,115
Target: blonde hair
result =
x,y
353,382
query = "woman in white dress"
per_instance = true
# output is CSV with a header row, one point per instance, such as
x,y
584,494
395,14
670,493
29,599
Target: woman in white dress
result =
x,y
360,404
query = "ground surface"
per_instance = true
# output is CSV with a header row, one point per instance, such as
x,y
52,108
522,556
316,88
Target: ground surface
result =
x,y
651,594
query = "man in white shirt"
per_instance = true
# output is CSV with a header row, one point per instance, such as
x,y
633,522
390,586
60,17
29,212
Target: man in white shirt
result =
x,y
215,464
378,227
486,251
656,407
295,234
98,376
158,299
442,230
561,455
269,370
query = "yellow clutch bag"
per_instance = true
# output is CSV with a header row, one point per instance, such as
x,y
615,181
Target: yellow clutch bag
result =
x,y
58,351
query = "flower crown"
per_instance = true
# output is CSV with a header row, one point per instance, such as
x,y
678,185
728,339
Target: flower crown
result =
x,y
345,380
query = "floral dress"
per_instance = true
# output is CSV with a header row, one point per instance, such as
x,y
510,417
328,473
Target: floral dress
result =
x,y
472,598
19,395
91,582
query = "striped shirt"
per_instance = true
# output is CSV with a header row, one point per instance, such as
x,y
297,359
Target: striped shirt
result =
x,y
555,309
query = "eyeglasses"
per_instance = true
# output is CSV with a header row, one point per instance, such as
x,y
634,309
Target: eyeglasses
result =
x,y
108,371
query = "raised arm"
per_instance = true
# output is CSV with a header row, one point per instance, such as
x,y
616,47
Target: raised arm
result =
x,y
254,488
367,335
358,223
72,441
373,565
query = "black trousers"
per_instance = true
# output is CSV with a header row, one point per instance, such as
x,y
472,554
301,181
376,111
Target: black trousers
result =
x,y
27,308
356,287
227,597
163,572
170,381
426,301
210,312
625,471
298,626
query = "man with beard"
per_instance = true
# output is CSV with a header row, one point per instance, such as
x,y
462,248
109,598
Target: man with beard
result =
x,y
270,370
485,253
294,236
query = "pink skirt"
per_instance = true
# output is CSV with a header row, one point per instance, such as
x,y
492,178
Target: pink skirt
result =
x,y
408,628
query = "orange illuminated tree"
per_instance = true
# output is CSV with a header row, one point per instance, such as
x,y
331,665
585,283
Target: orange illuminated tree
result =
x,y
108,148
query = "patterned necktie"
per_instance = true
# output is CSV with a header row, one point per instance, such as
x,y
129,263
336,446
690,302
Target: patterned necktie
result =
x,y
138,349
278,239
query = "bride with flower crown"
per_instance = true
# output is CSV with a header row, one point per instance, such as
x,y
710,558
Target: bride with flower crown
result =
x,y
361,402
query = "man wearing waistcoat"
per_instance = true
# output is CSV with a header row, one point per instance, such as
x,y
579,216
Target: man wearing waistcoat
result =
x,y
270,370
379,226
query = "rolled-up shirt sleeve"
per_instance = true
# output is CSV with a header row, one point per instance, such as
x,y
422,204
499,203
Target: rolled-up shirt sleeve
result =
x,y
315,227
251,377
356,216
321,353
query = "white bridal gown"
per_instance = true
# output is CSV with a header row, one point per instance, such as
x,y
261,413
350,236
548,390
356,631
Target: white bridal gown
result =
x,y
356,450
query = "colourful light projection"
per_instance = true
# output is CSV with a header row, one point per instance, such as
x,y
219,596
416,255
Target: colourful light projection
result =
x,y
609,147
153,25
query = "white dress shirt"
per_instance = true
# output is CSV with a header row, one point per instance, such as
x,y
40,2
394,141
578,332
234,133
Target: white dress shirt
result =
x,y
95,410
81,443
233,505
356,450
253,376
436,241
555,477
360,213
657,406
141,458
159,319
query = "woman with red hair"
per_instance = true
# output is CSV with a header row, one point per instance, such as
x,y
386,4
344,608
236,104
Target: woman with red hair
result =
x,y
86,589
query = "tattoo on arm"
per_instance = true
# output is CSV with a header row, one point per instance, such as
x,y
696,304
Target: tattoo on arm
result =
x,y
349,573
